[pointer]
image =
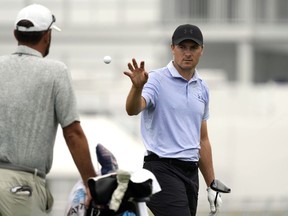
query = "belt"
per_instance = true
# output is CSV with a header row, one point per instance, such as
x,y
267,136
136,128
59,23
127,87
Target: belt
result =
x,y
189,165
10,166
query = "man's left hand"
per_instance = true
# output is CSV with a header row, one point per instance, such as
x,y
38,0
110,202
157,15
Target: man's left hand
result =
x,y
215,201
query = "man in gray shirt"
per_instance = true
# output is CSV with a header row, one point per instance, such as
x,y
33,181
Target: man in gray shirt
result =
x,y
36,95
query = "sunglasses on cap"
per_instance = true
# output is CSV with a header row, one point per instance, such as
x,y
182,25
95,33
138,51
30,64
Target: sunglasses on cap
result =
x,y
53,20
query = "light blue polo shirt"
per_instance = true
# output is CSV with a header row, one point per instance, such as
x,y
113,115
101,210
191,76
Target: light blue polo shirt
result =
x,y
171,121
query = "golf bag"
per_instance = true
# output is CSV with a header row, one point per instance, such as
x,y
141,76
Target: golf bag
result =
x,y
119,194
115,192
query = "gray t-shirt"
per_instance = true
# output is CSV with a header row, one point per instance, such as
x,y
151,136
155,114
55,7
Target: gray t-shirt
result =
x,y
36,95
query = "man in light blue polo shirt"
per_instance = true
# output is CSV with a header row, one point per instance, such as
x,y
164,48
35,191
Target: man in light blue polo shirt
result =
x,y
174,102
36,95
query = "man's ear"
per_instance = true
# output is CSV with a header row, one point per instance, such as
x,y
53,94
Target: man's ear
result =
x,y
46,36
172,48
202,50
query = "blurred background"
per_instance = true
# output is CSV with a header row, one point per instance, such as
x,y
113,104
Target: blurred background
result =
x,y
245,64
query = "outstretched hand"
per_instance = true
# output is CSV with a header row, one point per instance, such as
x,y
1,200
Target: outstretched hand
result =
x,y
137,74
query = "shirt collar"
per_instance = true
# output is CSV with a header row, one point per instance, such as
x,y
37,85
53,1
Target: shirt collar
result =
x,y
25,50
173,71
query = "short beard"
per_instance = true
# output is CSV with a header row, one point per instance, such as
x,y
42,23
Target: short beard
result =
x,y
47,48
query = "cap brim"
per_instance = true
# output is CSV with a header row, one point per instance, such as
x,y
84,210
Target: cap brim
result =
x,y
187,38
56,28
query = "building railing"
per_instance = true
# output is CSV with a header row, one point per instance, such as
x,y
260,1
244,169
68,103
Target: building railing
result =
x,y
228,11
119,12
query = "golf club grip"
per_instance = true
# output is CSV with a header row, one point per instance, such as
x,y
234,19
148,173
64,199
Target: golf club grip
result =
x,y
215,201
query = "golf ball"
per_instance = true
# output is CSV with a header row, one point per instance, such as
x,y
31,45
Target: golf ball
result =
x,y
107,59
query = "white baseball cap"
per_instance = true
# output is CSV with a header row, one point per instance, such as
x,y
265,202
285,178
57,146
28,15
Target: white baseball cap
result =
x,y
40,16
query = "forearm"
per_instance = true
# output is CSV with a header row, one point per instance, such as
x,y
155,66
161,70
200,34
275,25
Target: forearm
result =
x,y
206,162
82,159
79,149
134,103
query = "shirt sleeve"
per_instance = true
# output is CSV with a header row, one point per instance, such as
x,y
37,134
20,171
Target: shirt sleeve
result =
x,y
205,93
65,99
150,90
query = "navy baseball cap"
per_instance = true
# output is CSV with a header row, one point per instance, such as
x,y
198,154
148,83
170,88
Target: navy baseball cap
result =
x,y
187,32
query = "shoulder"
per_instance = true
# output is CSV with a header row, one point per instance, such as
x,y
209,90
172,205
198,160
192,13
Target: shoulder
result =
x,y
203,84
55,64
158,74
55,68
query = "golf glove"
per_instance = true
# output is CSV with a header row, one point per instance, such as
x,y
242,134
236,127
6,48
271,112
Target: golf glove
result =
x,y
215,201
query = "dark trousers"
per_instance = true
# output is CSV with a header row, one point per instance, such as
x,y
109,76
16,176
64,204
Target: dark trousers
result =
x,y
179,187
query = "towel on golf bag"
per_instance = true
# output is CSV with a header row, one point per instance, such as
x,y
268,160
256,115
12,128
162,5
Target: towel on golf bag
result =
x,y
123,178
